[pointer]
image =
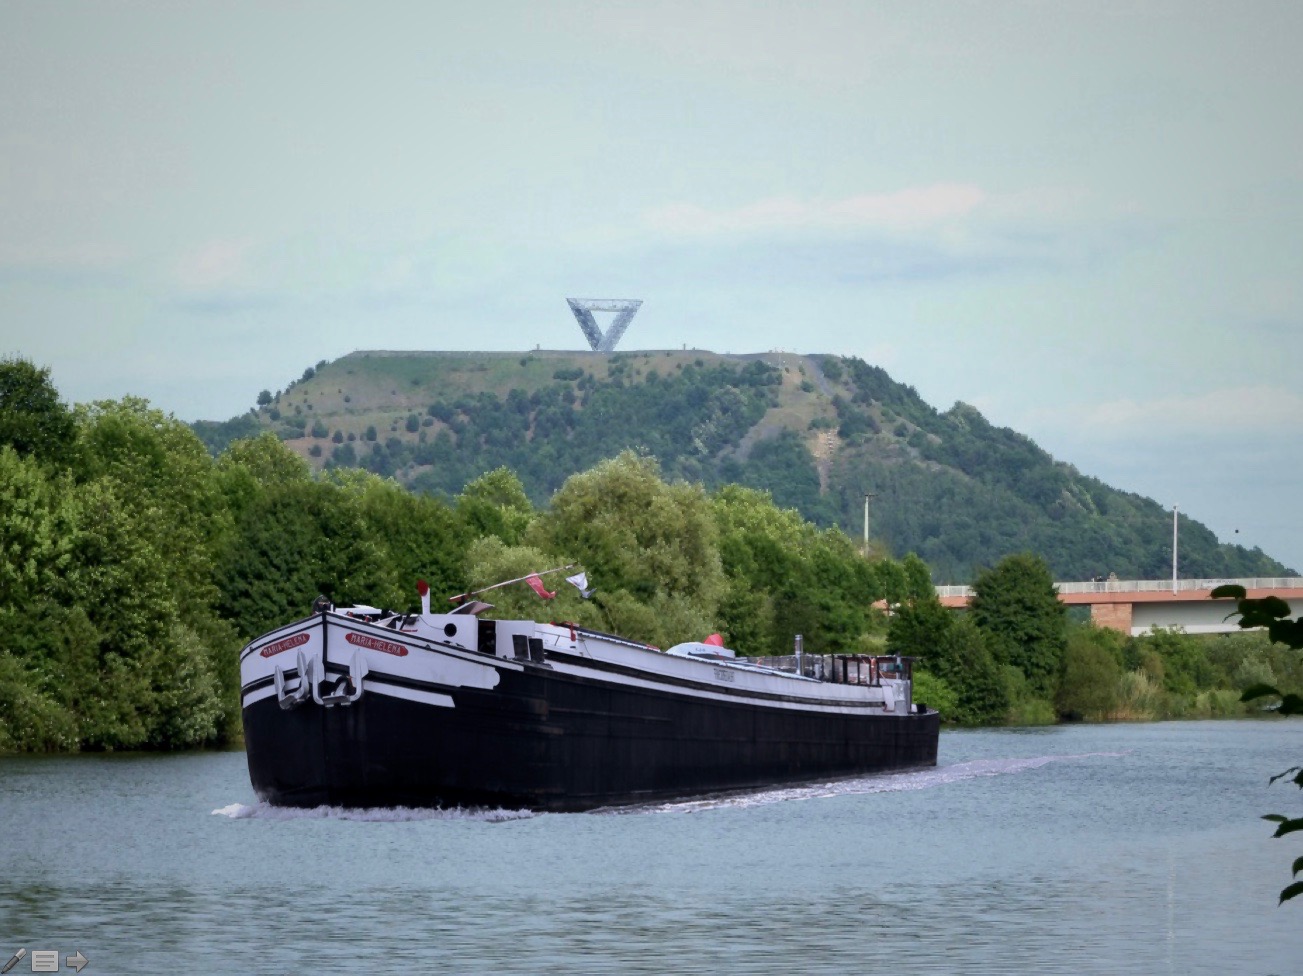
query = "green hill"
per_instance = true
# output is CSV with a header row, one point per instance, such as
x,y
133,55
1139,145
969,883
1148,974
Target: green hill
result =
x,y
817,431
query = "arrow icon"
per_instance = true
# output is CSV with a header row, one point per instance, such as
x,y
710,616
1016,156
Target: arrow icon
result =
x,y
75,962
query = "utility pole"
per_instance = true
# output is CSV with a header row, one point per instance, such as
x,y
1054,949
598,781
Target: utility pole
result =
x,y
1174,541
867,496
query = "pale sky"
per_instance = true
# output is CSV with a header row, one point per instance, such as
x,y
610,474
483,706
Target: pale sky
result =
x,y
1084,218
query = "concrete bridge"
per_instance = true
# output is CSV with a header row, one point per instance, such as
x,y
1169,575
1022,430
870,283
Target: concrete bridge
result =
x,y
1135,606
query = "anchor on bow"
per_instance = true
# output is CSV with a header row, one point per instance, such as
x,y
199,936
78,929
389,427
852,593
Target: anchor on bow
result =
x,y
292,692
345,689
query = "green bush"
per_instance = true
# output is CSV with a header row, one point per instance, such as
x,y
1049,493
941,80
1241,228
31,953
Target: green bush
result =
x,y
1032,711
956,651
1185,665
1140,697
934,692
1090,675
1218,704
1026,707
1016,604
30,719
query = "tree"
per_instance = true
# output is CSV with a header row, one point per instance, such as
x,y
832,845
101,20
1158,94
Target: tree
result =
x,y
633,533
1273,613
108,633
953,649
1184,666
295,541
918,579
1015,602
919,629
37,548
35,529
160,470
422,537
264,458
153,513
784,466
32,418
785,576
264,398
1088,684
138,672
495,504
759,546
971,670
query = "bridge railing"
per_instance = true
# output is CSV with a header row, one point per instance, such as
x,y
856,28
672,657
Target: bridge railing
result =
x,y
1152,586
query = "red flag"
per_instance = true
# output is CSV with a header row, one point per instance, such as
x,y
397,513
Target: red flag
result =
x,y
537,586
714,640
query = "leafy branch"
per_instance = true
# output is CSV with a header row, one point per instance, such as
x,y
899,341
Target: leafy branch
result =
x,y
1272,613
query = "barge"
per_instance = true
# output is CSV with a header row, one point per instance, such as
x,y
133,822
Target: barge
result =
x,y
361,707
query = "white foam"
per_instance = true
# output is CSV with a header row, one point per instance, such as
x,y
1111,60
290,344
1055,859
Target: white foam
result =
x,y
266,811
922,779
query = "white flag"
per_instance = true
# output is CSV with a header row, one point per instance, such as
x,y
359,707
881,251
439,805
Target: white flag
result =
x,y
580,582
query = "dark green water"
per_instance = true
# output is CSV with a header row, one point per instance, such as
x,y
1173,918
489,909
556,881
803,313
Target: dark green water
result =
x,y
1101,849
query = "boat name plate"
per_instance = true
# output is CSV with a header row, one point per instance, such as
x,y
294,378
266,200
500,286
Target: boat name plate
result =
x,y
284,645
375,644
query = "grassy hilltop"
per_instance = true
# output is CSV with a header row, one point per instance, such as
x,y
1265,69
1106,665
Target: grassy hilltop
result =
x,y
817,431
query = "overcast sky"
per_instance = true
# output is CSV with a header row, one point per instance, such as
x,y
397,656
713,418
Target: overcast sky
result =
x,y
1084,218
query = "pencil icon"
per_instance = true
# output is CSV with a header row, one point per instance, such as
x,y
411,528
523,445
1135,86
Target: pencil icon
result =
x,y
14,961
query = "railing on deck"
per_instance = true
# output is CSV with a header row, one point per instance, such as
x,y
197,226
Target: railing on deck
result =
x,y
1152,586
842,669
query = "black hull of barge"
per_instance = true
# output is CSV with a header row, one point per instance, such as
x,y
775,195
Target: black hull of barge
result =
x,y
544,741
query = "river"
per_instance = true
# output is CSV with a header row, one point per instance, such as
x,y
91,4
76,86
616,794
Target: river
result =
x,y
1078,849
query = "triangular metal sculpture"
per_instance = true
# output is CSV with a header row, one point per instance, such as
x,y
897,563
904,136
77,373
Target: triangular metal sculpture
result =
x,y
624,309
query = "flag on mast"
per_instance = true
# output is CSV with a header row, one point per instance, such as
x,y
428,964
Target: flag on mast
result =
x,y
537,586
580,582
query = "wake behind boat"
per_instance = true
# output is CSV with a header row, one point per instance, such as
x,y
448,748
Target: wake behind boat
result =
x,y
360,707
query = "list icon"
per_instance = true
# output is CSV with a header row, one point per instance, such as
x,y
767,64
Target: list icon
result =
x,y
45,960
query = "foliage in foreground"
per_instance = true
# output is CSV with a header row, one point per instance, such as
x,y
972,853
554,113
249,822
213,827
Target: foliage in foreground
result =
x,y
1273,613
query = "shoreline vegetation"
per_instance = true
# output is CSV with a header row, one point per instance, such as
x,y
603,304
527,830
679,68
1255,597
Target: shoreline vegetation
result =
x,y
134,565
